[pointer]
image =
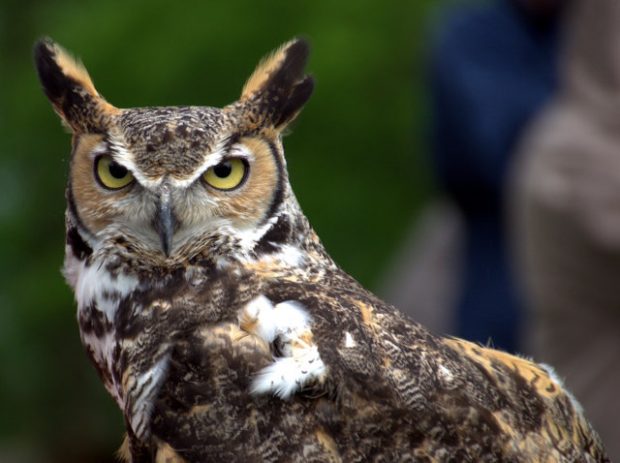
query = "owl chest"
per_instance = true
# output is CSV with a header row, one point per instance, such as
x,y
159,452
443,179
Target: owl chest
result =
x,y
99,293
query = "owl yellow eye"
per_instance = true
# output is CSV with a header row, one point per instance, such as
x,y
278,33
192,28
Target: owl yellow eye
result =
x,y
227,174
111,174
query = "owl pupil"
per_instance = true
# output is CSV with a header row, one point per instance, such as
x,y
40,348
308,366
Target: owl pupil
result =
x,y
223,169
117,171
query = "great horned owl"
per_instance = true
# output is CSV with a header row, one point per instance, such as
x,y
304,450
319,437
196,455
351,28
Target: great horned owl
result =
x,y
223,329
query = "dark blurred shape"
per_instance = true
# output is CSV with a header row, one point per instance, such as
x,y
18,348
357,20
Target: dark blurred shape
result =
x,y
567,219
493,67
541,10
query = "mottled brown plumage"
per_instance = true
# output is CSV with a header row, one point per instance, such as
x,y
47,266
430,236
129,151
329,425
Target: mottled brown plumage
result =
x,y
223,329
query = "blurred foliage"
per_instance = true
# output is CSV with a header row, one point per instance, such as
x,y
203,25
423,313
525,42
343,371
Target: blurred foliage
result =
x,y
356,162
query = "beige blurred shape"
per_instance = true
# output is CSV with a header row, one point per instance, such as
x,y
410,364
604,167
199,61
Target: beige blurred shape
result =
x,y
565,198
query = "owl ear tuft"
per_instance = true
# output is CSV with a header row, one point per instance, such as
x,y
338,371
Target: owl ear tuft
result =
x,y
69,88
279,86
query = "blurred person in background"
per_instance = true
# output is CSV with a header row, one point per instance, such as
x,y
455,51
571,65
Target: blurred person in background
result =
x,y
493,67
566,197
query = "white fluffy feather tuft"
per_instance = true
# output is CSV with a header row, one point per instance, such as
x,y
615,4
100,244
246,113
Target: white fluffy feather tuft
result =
x,y
288,324
258,317
349,342
287,375
290,317
556,379
263,319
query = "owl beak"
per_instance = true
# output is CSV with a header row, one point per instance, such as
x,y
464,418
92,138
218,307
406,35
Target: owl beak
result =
x,y
165,222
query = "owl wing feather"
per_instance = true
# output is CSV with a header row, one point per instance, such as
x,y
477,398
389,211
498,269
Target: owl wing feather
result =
x,y
391,390
459,399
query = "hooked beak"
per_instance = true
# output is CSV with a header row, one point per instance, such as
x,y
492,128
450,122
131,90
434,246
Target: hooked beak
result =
x,y
165,222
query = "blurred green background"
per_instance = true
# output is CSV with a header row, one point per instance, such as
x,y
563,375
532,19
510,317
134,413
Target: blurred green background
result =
x,y
357,160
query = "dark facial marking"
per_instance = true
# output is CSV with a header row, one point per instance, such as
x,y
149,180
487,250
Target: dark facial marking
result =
x,y
80,249
278,195
277,234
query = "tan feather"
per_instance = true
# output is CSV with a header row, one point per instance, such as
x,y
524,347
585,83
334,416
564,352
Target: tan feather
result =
x,y
267,66
73,68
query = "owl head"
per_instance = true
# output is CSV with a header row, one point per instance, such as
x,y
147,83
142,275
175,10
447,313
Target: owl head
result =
x,y
172,183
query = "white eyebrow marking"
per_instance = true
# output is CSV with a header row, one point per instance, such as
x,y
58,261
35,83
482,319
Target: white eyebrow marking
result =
x,y
126,158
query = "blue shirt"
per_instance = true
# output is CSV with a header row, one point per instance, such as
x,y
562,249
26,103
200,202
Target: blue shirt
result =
x,y
492,70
